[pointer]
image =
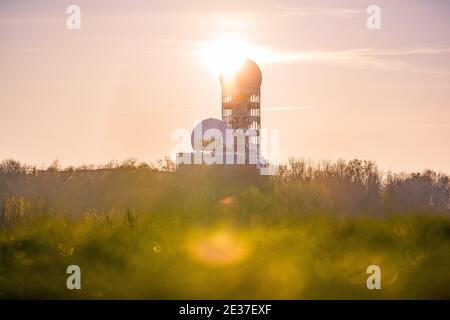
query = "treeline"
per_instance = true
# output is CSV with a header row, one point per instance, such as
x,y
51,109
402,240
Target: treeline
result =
x,y
14,167
339,188
360,185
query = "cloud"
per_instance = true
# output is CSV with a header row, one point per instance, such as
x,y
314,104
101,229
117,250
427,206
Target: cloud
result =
x,y
343,13
191,109
367,57
289,108
398,59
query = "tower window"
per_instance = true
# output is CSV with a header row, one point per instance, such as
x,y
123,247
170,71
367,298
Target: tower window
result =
x,y
254,98
254,112
227,98
226,112
254,125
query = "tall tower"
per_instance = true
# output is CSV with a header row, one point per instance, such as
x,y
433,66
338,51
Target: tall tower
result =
x,y
241,102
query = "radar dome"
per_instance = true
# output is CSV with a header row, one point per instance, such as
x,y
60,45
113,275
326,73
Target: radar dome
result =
x,y
206,131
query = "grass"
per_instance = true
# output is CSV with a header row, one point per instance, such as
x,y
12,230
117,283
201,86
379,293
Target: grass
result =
x,y
318,257
152,235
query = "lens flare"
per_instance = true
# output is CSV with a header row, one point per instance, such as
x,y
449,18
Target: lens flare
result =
x,y
221,248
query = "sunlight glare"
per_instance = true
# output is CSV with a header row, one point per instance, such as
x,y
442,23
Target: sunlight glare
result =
x,y
224,56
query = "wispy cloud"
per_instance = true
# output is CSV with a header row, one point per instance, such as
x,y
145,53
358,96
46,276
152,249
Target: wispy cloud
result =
x,y
366,57
343,13
192,109
289,108
377,58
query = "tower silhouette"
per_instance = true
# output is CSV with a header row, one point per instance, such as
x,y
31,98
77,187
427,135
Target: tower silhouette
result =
x,y
241,103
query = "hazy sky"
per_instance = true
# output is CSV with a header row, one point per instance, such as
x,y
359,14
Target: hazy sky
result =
x,y
133,74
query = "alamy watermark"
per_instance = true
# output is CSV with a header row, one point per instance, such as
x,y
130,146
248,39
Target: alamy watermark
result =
x,y
374,20
374,280
74,280
228,147
73,21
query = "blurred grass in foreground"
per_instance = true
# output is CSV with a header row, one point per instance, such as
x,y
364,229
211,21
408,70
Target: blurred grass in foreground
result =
x,y
140,233
169,257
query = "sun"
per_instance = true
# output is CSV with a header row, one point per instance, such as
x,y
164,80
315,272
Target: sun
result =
x,y
224,56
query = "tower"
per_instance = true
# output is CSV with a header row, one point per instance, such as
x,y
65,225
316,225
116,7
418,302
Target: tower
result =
x,y
236,139
241,103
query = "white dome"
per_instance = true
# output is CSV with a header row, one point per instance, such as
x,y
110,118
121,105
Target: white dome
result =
x,y
198,134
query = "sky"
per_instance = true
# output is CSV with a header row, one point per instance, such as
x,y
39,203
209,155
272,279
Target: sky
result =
x,y
135,72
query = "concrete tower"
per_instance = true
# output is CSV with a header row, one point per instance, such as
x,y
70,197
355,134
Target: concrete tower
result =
x,y
241,103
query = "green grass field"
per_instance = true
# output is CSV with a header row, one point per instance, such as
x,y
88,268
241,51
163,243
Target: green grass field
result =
x,y
145,234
